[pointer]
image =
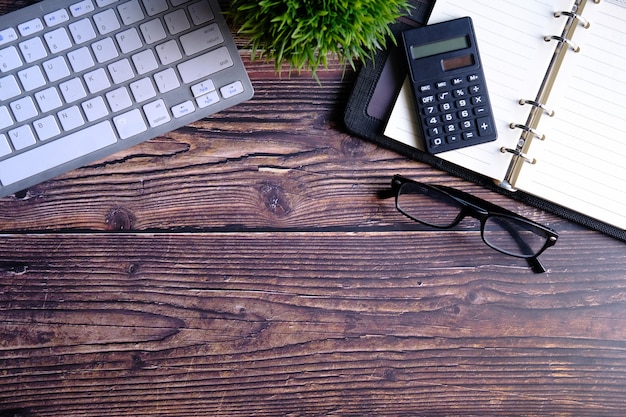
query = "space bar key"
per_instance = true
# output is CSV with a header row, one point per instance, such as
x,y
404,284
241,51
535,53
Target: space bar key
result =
x,y
57,152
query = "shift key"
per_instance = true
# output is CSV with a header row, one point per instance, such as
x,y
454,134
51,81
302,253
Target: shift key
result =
x,y
204,65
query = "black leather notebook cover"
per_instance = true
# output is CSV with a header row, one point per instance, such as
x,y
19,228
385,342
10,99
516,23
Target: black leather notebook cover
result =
x,y
371,101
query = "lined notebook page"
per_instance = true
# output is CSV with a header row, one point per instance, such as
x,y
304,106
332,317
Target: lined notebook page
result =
x,y
515,58
582,162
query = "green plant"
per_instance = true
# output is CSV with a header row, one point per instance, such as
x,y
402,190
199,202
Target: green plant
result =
x,y
302,33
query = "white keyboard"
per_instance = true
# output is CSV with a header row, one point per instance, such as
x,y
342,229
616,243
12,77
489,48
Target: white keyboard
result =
x,y
82,79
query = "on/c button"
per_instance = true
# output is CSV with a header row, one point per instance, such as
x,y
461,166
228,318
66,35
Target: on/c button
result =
x,y
232,89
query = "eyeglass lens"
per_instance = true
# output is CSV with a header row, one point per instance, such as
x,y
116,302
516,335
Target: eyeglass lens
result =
x,y
513,236
435,208
428,205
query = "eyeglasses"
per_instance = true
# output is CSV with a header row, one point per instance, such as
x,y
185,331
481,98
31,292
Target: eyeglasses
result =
x,y
444,207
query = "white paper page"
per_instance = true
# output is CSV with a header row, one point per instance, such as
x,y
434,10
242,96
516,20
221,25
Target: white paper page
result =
x,y
582,162
515,57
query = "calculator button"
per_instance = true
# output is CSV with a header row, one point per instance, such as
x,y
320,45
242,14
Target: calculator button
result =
x,y
435,142
469,135
426,88
464,114
443,96
457,81
453,139
432,121
462,103
478,100
472,78
479,111
428,99
429,110
448,117
459,92
451,128
442,84
485,127
445,107
475,89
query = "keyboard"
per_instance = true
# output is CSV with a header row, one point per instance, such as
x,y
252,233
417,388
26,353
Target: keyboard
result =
x,y
82,79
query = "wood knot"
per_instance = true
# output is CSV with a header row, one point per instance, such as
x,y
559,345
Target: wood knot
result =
x,y
120,218
275,199
353,147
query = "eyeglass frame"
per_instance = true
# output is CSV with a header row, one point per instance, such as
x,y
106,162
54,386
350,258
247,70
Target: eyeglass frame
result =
x,y
481,210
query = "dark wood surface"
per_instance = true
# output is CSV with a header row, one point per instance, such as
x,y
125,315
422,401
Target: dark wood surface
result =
x,y
245,266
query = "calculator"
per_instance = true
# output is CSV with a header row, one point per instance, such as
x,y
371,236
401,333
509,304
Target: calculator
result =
x,y
449,86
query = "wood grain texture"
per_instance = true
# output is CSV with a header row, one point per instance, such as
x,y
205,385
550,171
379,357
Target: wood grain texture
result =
x,y
245,265
304,324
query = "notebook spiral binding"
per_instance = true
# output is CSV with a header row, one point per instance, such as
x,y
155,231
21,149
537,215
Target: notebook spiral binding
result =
x,y
542,106
573,16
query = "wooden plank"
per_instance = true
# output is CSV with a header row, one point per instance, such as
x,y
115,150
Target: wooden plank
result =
x,y
239,324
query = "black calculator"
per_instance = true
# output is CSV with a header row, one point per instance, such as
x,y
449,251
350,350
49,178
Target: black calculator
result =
x,y
449,85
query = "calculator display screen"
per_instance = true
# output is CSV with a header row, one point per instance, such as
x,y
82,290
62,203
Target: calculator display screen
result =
x,y
457,62
440,47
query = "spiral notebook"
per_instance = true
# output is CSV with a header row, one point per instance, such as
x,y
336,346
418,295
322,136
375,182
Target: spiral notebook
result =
x,y
556,71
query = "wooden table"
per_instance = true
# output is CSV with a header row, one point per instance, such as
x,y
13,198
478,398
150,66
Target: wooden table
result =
x,y
244,266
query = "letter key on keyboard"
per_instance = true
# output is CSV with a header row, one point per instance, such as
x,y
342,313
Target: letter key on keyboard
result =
x,y
82,79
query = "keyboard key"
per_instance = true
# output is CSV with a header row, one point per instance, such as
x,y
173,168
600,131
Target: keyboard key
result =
x,y
232,89
205,65
183,109
57,152
80,59
58,40
7,35
82,8
145,61
129,40
72,90
97,80
130,12
208,99
104,50
46,128
95,109
169,52
121,71
104,3
142,90
152,31
82,31
202,88
166,80
119,99
106,21
30,27
48,99
154,7
130,124
22,137
200,13
56,68
71,118
156,113
201,39
5,117
24,109
56,18
33,49
9,88
9,59
177,21
5,148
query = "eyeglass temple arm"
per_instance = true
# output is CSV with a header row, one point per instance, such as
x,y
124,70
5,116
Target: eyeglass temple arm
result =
x,y
533,262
